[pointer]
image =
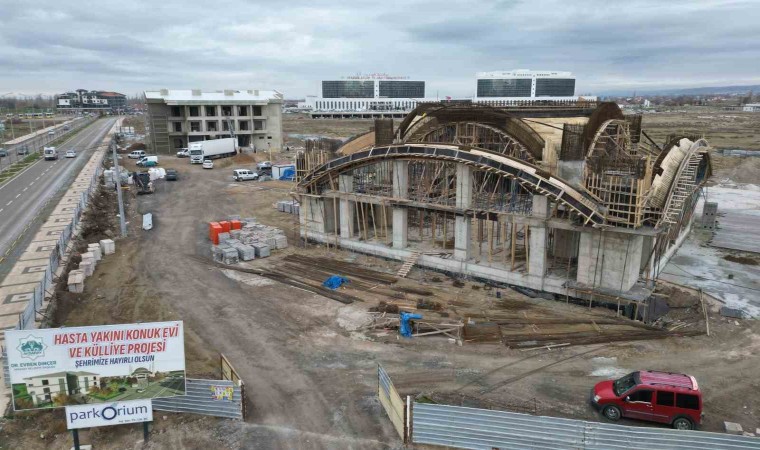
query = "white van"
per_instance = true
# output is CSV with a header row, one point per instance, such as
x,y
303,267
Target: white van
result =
x,y
50,153
136,154
244,174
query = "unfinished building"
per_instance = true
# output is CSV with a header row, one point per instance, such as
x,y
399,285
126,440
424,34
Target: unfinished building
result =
x,y
572,200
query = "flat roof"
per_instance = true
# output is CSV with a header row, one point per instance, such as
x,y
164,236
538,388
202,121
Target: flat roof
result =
x,y
524,73
196,96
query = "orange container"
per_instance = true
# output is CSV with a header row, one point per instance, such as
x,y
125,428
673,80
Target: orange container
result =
x,y
236,224
214,234
225,226
211,226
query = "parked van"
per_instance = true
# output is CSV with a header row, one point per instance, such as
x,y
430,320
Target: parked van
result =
x,y
50,153
663,397
136,154
148,161
244,174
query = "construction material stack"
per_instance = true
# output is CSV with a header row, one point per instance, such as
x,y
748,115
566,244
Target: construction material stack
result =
x,y
244,240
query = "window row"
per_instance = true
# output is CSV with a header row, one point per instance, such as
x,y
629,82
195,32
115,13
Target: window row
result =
x,y
215,111
214,126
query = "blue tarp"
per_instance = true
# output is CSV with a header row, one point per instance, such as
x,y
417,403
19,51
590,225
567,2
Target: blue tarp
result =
x,y
334,282
288,174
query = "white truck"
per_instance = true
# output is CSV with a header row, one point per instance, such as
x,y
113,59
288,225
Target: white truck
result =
x,y
211,149
50,153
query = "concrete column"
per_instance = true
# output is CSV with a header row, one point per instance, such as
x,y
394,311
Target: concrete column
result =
x,y
463,223
400,227
346,185
615,265
312,216
462,238
400,215
538,237
400,179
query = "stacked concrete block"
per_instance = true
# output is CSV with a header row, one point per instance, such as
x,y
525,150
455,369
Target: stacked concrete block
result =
x,y
235,234
262,250
245,252
233,217
95,250
224,237
288,206
217,253
107,246
230,256
281,241
76,281
87,265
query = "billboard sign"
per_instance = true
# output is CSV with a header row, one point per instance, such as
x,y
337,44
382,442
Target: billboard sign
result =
x,y
105,414
57,367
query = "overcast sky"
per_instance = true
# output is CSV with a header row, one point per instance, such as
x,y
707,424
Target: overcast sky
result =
x,y
51,46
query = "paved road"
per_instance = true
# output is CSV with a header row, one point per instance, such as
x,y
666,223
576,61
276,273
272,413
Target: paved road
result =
x,y
35,144
22,197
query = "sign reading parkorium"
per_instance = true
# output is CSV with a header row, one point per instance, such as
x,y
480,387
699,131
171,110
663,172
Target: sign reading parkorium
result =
x,y
56,367
104,414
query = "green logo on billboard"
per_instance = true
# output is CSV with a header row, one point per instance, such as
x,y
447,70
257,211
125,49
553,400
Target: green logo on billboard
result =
x,y
31,347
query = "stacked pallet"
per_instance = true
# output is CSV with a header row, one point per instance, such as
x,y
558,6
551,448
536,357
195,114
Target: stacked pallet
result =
x,y
243,240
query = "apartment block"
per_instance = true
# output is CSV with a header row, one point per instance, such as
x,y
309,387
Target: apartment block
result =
x,y
178,117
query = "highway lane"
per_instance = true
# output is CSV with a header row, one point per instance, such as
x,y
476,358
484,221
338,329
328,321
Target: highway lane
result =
x,y
23,197
36,143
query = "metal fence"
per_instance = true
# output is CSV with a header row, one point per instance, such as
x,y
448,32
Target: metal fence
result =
x,y
472,428
219,398
392,403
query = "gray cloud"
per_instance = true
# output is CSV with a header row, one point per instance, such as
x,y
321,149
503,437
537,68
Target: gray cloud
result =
x,y
49,46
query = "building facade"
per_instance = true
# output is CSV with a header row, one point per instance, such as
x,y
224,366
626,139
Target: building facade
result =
x,y
44,388
525,84
178,117
84,100
376,95
751,107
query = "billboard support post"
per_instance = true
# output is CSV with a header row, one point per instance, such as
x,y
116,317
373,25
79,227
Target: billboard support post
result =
x,y
75,432
145,431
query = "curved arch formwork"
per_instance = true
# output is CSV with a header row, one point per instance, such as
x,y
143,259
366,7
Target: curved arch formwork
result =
x,y
427,119
528,176
478,135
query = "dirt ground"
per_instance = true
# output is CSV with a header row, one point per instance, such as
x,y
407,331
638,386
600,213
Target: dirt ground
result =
x,y
722,129
308,363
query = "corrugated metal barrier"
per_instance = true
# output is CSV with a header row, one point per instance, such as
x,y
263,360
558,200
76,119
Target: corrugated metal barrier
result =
x,y
472,428
392,402
219,398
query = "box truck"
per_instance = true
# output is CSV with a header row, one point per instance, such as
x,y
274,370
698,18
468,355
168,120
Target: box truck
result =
x,y
211,149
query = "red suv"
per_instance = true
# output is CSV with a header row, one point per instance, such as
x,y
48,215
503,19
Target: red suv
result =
x,y
664,397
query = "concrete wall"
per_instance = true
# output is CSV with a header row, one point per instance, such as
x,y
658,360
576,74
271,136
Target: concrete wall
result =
x,y
609,260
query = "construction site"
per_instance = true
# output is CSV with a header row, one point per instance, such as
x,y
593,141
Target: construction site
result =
x,y
501,258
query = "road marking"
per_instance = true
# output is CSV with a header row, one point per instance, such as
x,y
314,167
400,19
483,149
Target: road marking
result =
x,y
9,203
1,209
31,184
25,189
18,195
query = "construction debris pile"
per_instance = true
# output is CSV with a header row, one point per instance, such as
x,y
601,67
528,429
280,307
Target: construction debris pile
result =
x,y
95,253
289,206
238,240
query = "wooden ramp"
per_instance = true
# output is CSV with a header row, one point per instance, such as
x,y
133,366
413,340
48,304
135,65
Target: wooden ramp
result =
x,y
409,262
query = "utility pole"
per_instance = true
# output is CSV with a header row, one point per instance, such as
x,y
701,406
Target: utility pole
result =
x,y
122,219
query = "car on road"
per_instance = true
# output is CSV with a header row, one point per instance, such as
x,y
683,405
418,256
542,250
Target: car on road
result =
x,y
50,153
3,153
208,164
136,154
70,154
264,165
171,175
244,174
22,151
663,397
183,153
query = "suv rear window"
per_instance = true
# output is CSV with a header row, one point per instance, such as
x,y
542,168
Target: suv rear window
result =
x,y
665,398
687,401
